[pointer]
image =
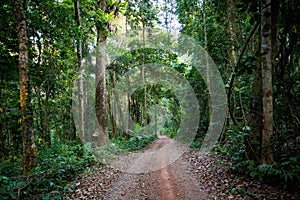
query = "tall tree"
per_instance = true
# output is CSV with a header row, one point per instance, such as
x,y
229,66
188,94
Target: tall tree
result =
x,y
103,28
267,156
29,150
230,16
101,98
81,126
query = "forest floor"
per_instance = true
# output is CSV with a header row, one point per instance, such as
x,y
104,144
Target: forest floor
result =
x,y
191,176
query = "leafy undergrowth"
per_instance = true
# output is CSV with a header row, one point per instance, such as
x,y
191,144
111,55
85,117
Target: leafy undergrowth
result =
x,y
57,168
285,172
51,179
134,143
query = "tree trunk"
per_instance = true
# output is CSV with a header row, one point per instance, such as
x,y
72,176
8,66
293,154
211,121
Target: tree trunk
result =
x,y
267,156
206,46
81,124
230,17
39,103
230,7
129,102
101,136
28,144
101,98
208,83
116,111
115,103
275,13
111,116
72,135
143,121
253,141
46,132
255,118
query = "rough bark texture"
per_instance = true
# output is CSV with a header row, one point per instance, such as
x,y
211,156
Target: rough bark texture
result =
x,y
101,135
28,149
101,97
232,54
267,156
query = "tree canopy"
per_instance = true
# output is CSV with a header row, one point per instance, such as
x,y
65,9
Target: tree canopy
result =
x,y
54,53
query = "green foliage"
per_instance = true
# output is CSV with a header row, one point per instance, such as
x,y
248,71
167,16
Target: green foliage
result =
x,y
169,131
137,130
285,172
234,146
240,191
57,166
161,94
141,14
52,37
107,154
8,43
195,145
134,143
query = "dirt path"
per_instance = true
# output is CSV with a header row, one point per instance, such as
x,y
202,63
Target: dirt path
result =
x,y
162,177
165,170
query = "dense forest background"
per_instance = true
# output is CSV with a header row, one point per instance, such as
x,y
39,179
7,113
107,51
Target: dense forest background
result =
x,y
255,45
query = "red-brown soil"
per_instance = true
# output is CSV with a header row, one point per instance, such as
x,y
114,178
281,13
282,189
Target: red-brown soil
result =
x,y
193,176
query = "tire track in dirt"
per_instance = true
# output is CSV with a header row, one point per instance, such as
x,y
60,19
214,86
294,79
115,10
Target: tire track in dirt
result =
x,y
193,176
170,180
166,180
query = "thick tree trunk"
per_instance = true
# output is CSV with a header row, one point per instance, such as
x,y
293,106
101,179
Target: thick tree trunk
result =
x,y
101,98
267,156
28,144
100,135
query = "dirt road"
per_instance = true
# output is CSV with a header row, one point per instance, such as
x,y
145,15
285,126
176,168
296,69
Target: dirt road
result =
x,y
165,170
165,175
